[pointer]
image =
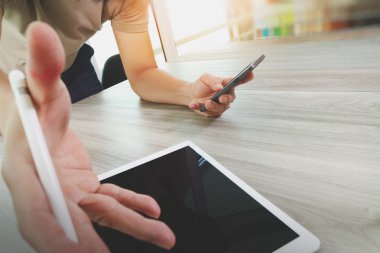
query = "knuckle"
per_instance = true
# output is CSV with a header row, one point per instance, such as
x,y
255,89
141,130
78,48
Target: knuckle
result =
x,y
205,77
110,189
105,218
105,221
133,197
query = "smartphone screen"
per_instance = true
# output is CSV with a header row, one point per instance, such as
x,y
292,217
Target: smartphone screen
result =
x,y
235,81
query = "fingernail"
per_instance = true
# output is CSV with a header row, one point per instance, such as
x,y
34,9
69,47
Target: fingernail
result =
x,y
193,106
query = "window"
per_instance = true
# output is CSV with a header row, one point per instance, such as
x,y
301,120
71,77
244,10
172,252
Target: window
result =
x,y
211,27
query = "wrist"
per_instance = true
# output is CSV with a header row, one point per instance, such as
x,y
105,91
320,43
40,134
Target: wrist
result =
x,y
185,93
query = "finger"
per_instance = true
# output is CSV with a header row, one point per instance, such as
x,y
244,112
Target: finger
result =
x,y
210,114
247,78
226,81
215,107
109,212
138,202
213,82
195,105
87,236
227,98
45,62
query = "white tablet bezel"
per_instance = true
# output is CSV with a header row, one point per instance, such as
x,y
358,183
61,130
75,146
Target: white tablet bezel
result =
x,y
306,242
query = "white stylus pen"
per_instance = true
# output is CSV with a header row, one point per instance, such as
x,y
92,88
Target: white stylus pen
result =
x,y
40,153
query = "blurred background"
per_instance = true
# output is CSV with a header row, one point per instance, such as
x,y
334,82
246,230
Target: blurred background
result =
x,y
209,27
210,24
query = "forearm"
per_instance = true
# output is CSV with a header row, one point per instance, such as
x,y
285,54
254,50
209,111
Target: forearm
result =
x,y
6,100
156,85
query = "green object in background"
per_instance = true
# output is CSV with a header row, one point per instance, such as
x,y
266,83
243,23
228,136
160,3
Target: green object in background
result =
x,y
284,30
277,31
287,20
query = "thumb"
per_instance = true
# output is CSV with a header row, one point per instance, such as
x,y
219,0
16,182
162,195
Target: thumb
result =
x,y
213,82
45,62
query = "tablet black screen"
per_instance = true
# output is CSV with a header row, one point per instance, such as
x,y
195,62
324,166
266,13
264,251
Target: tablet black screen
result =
x,y
206,210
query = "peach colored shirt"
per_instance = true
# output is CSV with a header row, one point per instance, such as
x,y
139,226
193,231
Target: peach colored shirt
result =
x,y
74,20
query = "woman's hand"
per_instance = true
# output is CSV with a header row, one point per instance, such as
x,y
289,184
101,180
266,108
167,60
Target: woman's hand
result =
x,y
205,87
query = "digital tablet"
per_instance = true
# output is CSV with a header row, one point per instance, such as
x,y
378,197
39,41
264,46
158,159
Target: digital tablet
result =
x,y
208,208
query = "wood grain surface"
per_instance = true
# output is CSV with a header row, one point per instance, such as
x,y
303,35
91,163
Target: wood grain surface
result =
x,y
305,133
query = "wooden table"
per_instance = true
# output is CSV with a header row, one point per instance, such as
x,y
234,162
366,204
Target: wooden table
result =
x,y
305,133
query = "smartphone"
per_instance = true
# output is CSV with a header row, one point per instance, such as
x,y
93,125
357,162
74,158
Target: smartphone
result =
x,y
235,81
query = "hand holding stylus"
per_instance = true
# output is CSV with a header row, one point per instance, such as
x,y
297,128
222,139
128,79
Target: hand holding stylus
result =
x,y
85,198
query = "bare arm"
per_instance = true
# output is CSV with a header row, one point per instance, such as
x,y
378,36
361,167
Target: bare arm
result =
x,y
149,82
153,84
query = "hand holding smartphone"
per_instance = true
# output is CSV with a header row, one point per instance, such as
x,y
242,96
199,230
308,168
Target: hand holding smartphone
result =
x,y
235,81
